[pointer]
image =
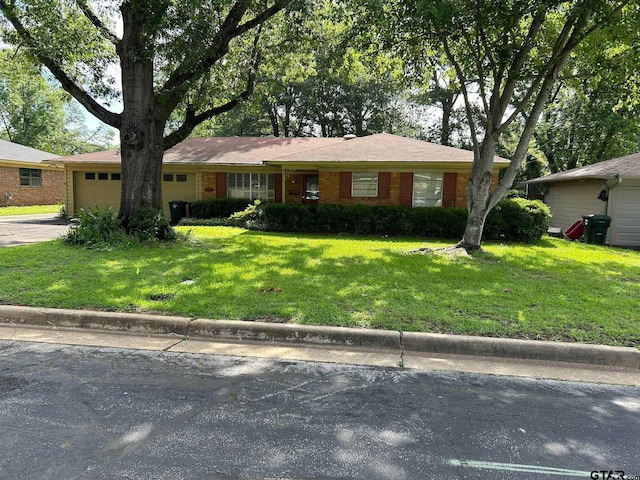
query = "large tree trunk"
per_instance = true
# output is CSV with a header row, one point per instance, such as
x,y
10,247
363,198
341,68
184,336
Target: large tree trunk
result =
x,y
143,122
479,198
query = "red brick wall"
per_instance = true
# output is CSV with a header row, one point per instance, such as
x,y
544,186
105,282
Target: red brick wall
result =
x,y
51,192
330,191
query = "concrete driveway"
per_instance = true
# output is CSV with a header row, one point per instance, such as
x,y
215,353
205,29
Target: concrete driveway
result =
x,y
25,229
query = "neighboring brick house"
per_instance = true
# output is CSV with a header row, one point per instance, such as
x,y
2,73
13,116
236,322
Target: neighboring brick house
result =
x,y
25,180
380,169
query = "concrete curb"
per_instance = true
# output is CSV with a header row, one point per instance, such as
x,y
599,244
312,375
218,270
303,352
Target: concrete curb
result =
x,y
402,342
527,349
111,321
284,332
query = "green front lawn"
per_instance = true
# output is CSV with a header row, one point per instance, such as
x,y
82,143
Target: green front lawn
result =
x,y
554,290
29,210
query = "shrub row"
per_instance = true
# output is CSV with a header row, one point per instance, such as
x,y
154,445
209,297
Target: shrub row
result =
x,y
364,220
218,207
511,220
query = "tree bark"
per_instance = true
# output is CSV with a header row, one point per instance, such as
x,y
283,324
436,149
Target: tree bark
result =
x,y
479,195
143,122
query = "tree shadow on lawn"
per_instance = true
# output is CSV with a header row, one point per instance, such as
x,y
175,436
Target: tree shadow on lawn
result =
x,y
369,282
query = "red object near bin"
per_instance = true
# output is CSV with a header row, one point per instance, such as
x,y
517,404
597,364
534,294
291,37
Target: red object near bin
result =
x,y
575,231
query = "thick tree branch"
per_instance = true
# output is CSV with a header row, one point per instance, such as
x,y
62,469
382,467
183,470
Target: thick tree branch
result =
x,y
71,86
518,62
529,127
465,95
192,120
93,18
480,70
562,48
230,29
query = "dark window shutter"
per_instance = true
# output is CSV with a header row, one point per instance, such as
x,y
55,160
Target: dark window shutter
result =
x,y
278,187
449,182
221,185
345,184
406,189
384,185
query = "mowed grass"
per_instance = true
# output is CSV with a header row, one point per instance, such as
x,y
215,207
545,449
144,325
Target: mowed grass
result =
x,y
554,290
29,210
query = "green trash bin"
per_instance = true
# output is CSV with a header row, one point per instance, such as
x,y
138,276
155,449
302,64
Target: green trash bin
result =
x,y
178,210
595,228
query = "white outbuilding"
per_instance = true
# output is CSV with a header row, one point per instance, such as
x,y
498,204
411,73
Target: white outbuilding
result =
x,y
609,188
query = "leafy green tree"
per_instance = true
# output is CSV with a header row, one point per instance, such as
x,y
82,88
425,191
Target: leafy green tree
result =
x,y
35,111
325,86
593,113
31,109
508,56
198,57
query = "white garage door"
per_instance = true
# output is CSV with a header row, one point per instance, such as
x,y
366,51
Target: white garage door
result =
x,y
625,213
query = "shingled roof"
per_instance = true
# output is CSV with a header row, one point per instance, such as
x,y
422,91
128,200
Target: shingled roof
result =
x,y
15,152
382,147
628,166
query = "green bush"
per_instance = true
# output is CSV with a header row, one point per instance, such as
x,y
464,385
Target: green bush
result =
x,y
249,217
217,207
97,229
204,222
150,225
517,220
101,229
511,220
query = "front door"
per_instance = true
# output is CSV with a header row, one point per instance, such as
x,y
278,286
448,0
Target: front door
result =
x,y
310,189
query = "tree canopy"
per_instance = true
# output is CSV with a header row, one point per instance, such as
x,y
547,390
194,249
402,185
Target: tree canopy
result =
x,y
507,55
199,57
36,112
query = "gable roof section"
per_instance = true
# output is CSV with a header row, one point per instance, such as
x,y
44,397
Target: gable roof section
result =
x,y
382,147
628,166
14,152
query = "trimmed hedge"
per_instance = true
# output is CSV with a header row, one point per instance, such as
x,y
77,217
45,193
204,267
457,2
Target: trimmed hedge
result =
x,y
218,207
516,219
511,220
362,220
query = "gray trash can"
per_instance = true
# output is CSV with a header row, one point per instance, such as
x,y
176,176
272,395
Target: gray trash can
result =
x,y
179,210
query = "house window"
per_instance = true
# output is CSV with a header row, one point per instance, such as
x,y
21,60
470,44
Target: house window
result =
x,y
167,177
89,176
116,176
181,177
427,189
252,186
103,176
364,184
30,177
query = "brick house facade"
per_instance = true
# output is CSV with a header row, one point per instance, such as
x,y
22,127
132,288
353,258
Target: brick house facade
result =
x,y
26,180
380,169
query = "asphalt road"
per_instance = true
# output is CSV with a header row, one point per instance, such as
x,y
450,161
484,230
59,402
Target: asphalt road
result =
x,y
97,413
25,229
